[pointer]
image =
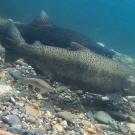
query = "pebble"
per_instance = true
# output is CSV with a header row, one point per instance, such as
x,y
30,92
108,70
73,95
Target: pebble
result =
x,y
67,116
57,109
38,132
21,62
39,96
35,105
15,111
30,110
103,117
64,124
20,104
31,119
90,130
61,88
59,127
3,74
49,114
13,100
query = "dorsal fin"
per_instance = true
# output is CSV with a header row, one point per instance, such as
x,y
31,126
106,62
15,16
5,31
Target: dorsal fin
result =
x,y
42,19
37,44
14,34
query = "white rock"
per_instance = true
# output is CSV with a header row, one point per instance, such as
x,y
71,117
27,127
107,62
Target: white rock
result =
x,y
64,123
5,89
131,126
49,114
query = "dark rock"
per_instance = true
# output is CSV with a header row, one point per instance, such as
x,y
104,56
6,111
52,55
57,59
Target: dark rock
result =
x,y
115,97
57,109
6,103
39,133
61,88
16,130
123,129
119,116
4,114
12,120
16,74
31,119
27,133
90,116
49,106
13,100
33,133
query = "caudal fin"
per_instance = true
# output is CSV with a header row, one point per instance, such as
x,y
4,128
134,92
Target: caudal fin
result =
x,y
14,34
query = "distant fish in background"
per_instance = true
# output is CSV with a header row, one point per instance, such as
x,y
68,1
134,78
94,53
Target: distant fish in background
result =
x,y
43,30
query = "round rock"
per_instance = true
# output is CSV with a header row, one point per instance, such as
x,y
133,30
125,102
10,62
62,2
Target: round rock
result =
x,y
103,117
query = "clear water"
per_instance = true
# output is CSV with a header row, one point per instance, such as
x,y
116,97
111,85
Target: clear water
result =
x,y
108,21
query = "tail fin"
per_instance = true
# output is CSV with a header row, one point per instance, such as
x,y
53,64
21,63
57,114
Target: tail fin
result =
x,y
14,34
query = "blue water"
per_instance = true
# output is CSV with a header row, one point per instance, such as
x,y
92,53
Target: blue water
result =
x,y
108,21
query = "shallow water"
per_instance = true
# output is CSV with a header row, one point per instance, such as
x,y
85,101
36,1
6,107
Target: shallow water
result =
x,y
111,22
67,92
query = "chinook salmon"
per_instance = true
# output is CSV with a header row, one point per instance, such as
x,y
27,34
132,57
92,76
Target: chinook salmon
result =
x,y
42,29
86,70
